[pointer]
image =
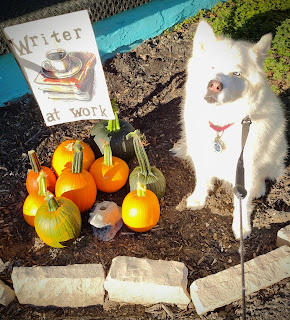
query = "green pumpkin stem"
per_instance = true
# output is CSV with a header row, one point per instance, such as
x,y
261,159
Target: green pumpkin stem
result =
x,y
34,161
51,202
42,184
108,158
114,125
77,163
140,152
141,189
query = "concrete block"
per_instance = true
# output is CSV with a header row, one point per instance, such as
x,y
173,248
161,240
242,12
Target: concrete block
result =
x,y
6,294
144,281
78,285
283,236
224,287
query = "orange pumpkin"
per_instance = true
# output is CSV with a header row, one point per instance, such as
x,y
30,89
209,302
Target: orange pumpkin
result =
x,y
63,156
31,179
110,173
140,209
77,184
34,200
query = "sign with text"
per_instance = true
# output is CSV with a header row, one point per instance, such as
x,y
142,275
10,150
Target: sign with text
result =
x,y
60,60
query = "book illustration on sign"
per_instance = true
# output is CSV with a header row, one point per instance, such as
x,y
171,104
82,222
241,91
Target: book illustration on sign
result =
x,y
67,76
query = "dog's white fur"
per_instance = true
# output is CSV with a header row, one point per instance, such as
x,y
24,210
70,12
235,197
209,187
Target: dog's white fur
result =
x,y
238,65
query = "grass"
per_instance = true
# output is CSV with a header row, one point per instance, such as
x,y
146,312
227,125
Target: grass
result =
x,y
249,20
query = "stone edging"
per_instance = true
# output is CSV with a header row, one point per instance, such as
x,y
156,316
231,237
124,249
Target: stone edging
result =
x,y
144,281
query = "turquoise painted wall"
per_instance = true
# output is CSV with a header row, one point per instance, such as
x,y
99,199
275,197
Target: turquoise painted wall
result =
x,y
119,33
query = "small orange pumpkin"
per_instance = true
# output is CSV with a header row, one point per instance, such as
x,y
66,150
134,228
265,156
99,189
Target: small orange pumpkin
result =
x,y
140,209
77,184
34,200
110,173
31,179
63,156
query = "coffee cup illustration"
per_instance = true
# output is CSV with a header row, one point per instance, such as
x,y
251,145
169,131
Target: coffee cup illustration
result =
x,y
57,60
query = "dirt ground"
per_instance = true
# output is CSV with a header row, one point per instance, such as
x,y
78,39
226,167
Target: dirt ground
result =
x,y
149,85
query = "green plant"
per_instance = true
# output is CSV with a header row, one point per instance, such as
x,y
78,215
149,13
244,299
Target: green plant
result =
x,y
247,19
278,61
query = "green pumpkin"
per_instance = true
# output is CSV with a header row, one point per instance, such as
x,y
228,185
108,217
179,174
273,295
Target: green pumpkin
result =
x,y
154,181
114,132
152,177
58,221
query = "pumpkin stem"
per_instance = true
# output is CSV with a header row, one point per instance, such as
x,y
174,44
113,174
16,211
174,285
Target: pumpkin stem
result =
x,y
108,159
77,163
141,189
140,152
34,161
51,202
114,125
42,185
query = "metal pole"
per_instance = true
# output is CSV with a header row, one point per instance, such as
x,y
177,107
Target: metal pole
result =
x,y
242,262
241,193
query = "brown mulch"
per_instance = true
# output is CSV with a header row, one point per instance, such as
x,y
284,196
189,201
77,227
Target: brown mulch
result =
x,y
149,85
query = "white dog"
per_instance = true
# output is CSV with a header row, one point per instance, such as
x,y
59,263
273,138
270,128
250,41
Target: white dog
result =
x,y
226,83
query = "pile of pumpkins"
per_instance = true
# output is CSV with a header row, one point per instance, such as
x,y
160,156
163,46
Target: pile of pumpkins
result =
x,y
58,197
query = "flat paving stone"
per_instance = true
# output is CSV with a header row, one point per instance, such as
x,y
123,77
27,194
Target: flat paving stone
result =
x,y
224,287
78,285
145,281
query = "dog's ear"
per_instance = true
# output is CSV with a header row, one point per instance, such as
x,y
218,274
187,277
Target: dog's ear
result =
x,y
203,37
261,48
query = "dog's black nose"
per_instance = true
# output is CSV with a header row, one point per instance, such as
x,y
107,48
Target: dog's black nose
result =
x,y
215,86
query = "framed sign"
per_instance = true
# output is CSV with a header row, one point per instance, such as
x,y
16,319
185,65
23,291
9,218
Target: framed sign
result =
x,y
60,60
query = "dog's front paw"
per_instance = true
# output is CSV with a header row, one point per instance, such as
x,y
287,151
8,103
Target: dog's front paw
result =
x,y
237,232
195,202
260,190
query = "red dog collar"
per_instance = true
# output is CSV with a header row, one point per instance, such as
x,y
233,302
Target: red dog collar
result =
x,y
218,128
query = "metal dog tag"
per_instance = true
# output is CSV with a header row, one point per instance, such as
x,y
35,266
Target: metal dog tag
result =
x,y
218,145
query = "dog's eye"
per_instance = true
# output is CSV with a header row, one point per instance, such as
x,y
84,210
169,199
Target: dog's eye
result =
x,y
236,74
